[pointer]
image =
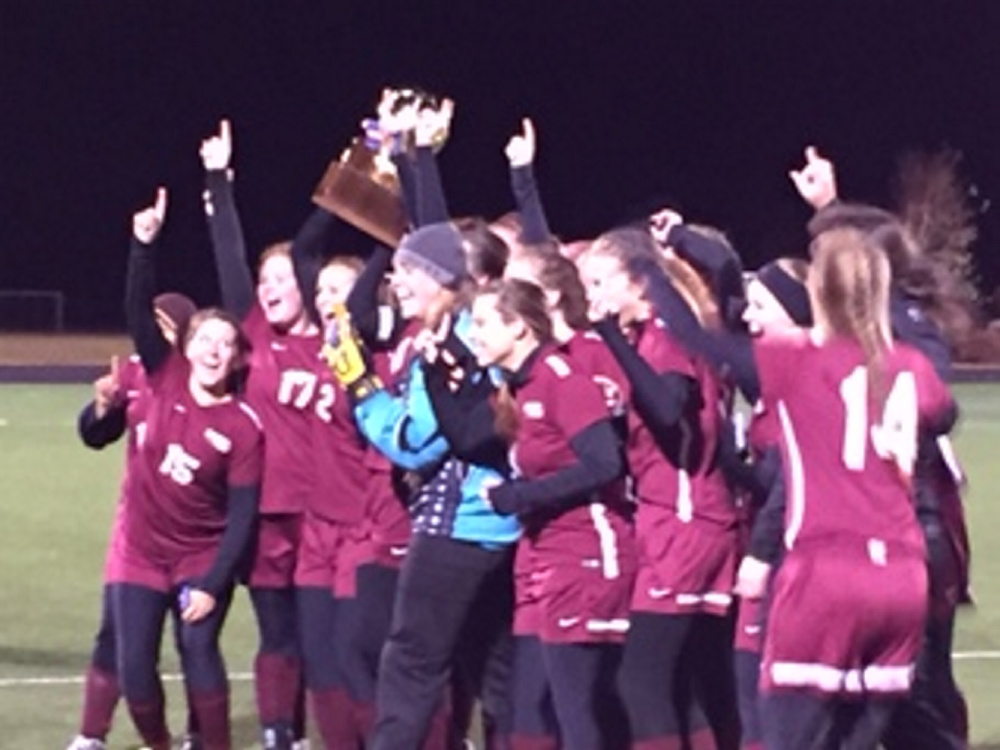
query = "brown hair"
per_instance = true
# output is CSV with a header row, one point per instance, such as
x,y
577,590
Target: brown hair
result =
x,y
350,262
554,272
283,248
516,300
241,343
850,278
486,253
629,245
797,268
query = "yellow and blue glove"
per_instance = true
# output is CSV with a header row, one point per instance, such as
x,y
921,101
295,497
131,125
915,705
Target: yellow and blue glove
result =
x,y
347,358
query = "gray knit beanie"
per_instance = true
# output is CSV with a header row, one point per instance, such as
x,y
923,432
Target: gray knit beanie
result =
x,y
436,249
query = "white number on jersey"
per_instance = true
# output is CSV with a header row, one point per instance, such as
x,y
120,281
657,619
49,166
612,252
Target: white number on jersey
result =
x,y
894,437
296,388
324,404
179,465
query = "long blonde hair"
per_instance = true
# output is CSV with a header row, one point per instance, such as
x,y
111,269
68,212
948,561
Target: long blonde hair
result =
x,y
628,244
849,289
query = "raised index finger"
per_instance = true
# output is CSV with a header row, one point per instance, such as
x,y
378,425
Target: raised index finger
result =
x,y
529,129
160,207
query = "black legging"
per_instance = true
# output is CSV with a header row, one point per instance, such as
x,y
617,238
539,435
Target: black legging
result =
x,y
653,681
139,614
802,721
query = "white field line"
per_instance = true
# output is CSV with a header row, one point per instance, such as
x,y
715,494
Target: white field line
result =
x,y
78,680
247,676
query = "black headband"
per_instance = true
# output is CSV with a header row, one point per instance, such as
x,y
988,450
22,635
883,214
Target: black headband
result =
x,y
789,291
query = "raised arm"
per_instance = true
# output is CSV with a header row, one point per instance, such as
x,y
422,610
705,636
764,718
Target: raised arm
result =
x,y
520,151
431,125
661,399
140,285
228,245
729,353
102,421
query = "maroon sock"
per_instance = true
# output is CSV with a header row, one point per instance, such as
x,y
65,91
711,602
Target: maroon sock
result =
x,y
364,718
299,723
438,731
659,743
212,712
333,716
702,739
277,679
532,742
151,722
100,696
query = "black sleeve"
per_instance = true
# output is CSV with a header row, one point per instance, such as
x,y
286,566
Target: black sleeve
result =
x,y
911,326
407,183
599,461
97,432
362,302
534,225
728,352
140,283
228,245
241,515
769,526
308,249
714,259
466,417
432,208
662,400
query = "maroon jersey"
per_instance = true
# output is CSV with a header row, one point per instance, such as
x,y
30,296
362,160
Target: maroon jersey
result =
x,y
555,405
338,452
285,388
847,470
591,356
187,456
134,389
700,490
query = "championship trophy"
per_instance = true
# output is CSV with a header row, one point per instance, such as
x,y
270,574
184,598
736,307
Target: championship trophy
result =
x,y
362,187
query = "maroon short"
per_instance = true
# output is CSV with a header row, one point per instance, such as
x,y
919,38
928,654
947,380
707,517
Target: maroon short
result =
x,y
579,603
133,566
390,529
276,551
527,591
846,619
684,566
750,625
113,567
330,553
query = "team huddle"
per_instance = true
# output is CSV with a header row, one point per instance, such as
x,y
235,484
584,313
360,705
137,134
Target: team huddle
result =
x,y
485,471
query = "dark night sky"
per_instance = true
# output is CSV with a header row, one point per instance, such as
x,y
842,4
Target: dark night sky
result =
x,y
709,103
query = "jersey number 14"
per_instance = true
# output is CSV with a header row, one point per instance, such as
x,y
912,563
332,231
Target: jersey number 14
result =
x,y
894,436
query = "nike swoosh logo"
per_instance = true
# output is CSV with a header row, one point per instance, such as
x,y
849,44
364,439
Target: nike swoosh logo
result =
x,y
568,622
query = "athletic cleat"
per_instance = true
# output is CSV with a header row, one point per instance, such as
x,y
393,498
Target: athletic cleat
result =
x,y
86,743
190,742
300,745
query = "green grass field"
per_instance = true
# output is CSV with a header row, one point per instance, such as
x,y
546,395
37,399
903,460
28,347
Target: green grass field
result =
x,y
56,508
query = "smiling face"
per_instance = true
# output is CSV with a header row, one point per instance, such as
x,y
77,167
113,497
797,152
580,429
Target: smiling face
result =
x,y
493,340
278,292
415,290
214,354
764,315
333,285
610,291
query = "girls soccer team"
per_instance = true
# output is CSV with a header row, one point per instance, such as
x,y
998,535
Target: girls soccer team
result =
x,y
561,433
